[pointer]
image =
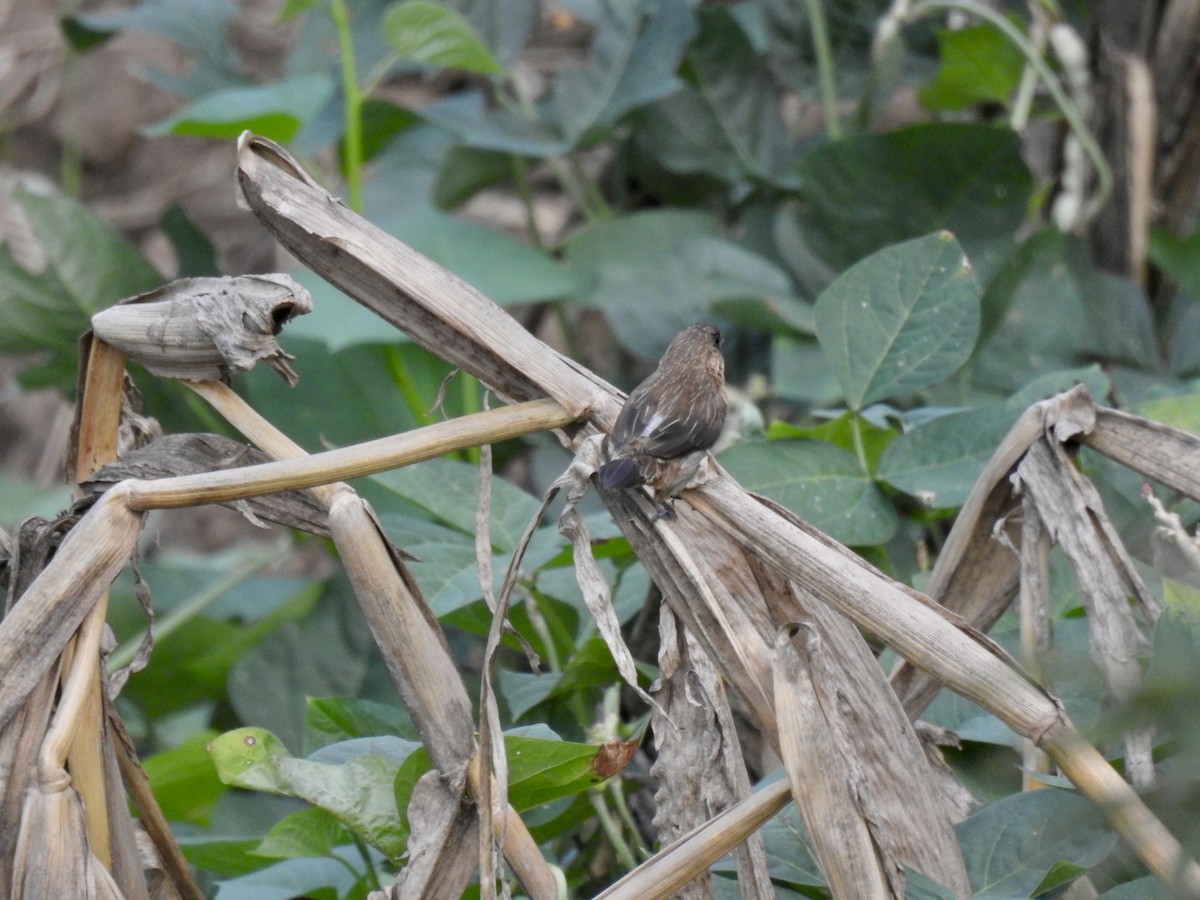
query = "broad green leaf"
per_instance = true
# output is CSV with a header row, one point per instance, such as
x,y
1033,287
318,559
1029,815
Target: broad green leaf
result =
x,y
1012,845
654,273
978,64
223,856
502,268
900,320
276,110
847,431
634,57
1147,888
822,484
307,832
316,878
1178,411
1050,308
449,490
328,652
540,771
868,191
358,792
199,27
77,266
940,461
1179,258
801,372
329,720
427,32
20,499
469,117
589,668
729,124
293,8
183,779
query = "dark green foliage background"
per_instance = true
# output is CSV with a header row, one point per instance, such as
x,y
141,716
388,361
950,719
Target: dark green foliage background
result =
x,y
896,288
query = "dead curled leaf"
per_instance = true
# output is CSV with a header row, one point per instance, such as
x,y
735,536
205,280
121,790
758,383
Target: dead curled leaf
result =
x,y
613,756
205,329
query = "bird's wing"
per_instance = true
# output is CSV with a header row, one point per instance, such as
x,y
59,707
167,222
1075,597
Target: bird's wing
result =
x,y
669,419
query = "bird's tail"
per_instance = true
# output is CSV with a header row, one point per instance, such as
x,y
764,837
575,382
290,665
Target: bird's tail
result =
x,y
619,473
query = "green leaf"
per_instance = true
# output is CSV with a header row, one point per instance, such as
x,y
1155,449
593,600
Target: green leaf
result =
x,y
655,272
978,64
328,652
729,125
329,720
502,268
900,320
277,110
199,27
449,489
589,667
868,191
77,265
1178,257
308,832
1012,845
195,252
940,461
634,57
427,32
315,878
183,779
358,792
293,8
822,484
541,770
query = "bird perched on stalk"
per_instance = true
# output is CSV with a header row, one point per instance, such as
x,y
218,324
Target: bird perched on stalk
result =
x,y
671,419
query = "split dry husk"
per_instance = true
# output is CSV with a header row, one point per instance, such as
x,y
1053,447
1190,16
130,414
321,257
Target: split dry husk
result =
x,y
757,600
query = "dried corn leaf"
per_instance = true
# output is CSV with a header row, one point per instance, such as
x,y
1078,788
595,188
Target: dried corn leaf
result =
x,y
824,774
205,329
699,767
187,454
441,853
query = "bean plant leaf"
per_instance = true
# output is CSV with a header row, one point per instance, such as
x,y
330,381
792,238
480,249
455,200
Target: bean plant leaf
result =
x,y
900,320
278,110
324,877
200,27
729,123
634,58
69,265
940,461
978,64
358,792
184,782
871,190
1012,845
543,770
307,832
819,482
427,32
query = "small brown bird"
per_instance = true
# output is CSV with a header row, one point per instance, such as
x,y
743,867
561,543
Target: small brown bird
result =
x,y
671,419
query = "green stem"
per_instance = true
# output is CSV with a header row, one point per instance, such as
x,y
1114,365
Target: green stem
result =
x,y
860,449
612,831
1069,110
618,796
192,607
824,53
404,381
352,100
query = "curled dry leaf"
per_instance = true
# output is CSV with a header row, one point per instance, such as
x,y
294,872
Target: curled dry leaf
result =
x,y
613,756
205,329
